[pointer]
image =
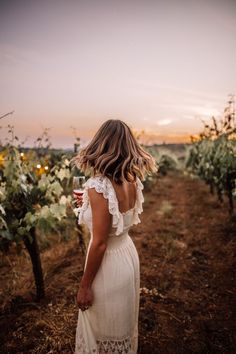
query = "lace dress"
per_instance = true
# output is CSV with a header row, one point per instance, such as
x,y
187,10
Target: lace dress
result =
x,y
110,325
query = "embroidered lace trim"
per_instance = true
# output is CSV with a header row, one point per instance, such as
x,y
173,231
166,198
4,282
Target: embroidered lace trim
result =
x,y
114,346
126,345
103,185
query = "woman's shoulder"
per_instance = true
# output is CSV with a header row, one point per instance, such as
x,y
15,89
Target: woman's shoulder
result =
x,y
105,182
98,182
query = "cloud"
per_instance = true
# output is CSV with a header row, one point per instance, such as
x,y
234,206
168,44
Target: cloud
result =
x,y
206,111
13,55
188,116
185,93
162,122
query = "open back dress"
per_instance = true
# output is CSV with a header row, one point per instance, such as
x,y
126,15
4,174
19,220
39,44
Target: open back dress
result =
x,y
110,325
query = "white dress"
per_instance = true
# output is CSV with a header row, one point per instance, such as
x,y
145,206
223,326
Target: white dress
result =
x,y
110,325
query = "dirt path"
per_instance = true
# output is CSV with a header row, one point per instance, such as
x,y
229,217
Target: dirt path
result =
x,y
187,253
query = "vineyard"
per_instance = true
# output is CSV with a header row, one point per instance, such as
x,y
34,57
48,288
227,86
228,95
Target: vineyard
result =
x,y
213,156
186,243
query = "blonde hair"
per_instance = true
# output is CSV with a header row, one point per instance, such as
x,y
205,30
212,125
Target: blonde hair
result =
x,y
114,152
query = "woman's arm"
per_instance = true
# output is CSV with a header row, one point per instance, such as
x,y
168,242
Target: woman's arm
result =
x,y
101,227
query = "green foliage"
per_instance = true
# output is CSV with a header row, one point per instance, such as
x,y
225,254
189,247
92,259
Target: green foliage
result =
x,y
167,163
213,157
166,160
31,198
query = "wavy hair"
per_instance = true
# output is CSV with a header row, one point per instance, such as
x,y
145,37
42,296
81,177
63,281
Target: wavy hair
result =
x,y
114,152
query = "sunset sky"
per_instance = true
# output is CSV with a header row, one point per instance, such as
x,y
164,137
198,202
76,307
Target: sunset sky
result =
x,y
157,65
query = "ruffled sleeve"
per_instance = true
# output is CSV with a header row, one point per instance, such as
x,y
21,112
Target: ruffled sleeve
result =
x,y
85,202
103,185
139,202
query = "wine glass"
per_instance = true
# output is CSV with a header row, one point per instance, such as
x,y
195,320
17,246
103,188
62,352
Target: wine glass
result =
x,y
78,188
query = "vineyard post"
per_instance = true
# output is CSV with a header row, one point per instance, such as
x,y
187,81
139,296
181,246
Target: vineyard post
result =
x,y
33,249
220,194
229,189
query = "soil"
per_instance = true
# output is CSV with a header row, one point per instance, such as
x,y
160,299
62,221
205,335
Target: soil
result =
x,y
187,248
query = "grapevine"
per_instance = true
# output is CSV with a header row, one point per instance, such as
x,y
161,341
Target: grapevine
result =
x,y
212,156
30,200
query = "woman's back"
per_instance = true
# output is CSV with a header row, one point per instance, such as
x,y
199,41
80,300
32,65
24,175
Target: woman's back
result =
x,y
124,203
126,195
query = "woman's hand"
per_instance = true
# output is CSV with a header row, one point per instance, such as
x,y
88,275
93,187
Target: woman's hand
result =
x,y
84,298
78,199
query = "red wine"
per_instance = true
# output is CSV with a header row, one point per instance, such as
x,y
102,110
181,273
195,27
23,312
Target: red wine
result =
x,y
78,192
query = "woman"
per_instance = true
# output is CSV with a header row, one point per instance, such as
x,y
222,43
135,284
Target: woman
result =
x,y
108,296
